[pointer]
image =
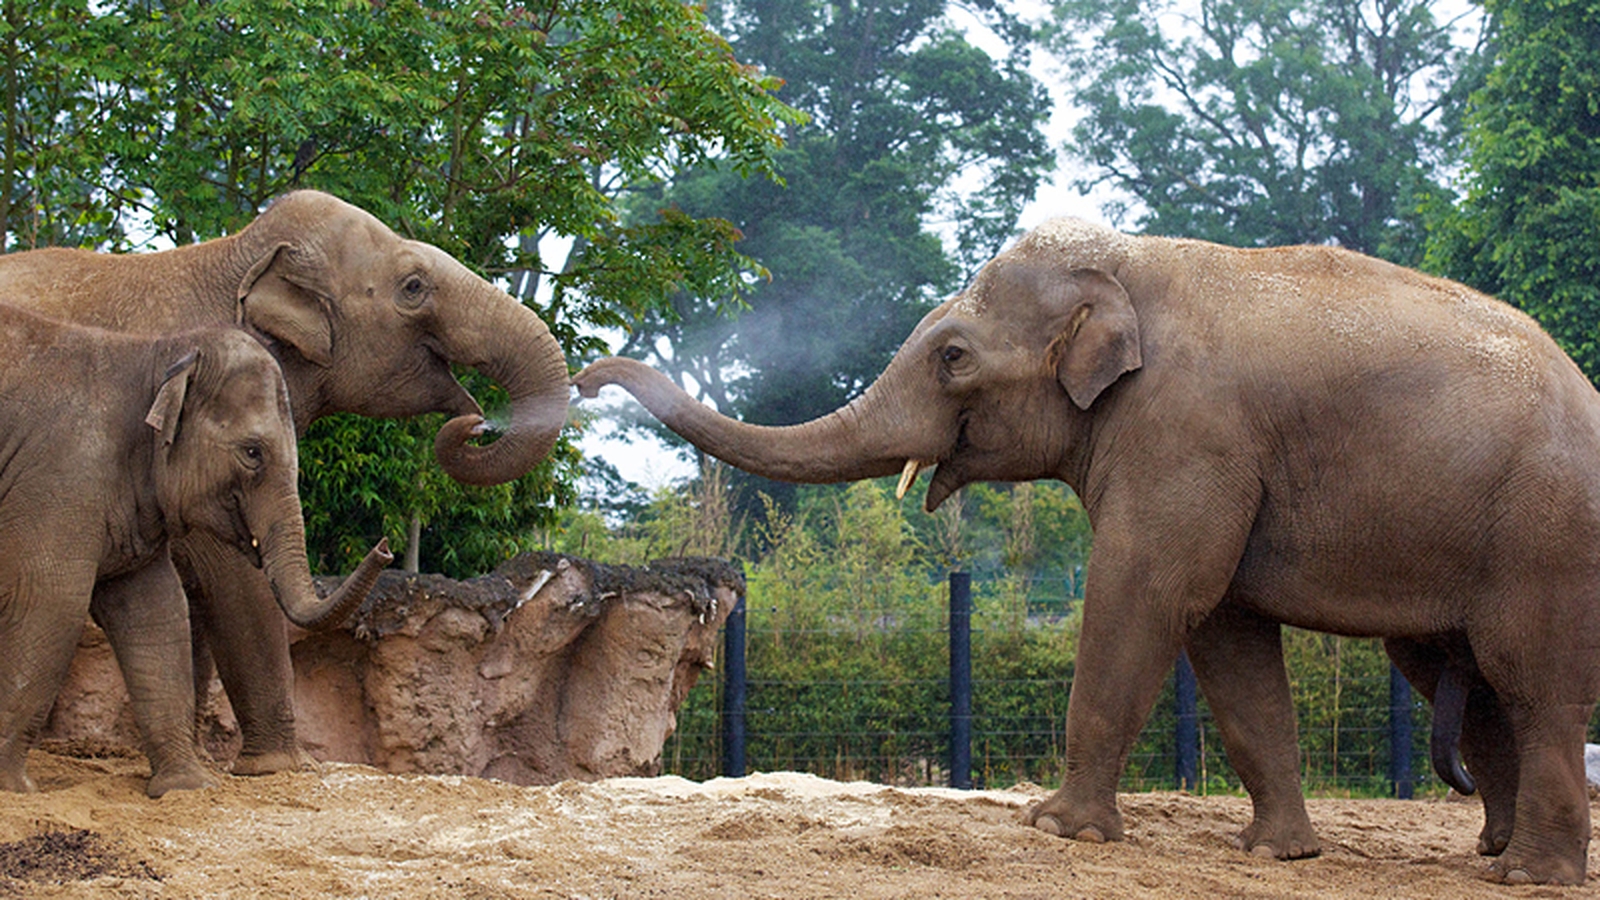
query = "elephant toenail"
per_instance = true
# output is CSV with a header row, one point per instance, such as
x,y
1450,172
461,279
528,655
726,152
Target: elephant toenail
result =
x,y
1048,824
1519,876
1090,835
1264,851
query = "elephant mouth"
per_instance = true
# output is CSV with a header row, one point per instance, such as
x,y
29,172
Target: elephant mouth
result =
x,y
941,485
247,542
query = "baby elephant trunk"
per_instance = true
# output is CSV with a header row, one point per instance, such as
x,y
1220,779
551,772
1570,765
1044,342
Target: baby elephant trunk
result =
x,y
292,587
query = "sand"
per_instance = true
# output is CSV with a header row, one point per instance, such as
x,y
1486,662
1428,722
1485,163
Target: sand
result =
x,y
352,831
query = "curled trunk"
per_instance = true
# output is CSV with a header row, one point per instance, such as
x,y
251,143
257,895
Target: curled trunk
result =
x,y
507,342
283,554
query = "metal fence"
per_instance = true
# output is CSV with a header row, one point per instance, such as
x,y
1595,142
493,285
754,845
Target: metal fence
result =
x,y
925,701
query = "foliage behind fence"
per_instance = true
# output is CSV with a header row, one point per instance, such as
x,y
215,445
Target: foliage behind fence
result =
x,y
865,695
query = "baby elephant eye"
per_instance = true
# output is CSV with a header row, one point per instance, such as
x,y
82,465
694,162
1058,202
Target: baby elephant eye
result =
x,y
253,454
951,354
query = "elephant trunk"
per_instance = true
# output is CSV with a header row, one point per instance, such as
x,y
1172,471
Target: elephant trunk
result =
x,y
507,342
283,554
869,437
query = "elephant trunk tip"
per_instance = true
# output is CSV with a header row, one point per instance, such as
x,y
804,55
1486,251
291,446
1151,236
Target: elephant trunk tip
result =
x,y
347,597
519,444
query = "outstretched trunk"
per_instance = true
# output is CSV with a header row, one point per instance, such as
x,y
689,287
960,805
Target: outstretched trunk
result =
x,y
877,434
506,341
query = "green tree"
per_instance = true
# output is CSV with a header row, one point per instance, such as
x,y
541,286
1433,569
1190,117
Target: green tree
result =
x,y
1262,122
915,137
481,126
58,92
1528,229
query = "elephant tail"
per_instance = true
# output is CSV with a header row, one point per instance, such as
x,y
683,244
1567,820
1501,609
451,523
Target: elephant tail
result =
x,y
1449,710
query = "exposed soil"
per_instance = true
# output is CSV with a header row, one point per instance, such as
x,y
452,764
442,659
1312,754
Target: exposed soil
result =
x,y
352,831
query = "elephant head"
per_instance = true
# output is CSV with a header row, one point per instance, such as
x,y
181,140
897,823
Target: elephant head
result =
x,y
365,321
994,384
226,462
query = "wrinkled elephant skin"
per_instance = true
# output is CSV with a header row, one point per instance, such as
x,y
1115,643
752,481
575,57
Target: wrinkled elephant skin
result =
x,y
1300,436
115,445
361,321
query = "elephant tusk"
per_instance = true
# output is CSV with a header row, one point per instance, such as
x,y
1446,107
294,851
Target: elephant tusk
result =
x,y
907,477
255,544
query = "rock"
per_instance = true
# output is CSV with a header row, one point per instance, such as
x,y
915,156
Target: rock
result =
x,y
550,668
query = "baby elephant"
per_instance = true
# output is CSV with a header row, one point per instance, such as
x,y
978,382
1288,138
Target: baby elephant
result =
x,y
111,446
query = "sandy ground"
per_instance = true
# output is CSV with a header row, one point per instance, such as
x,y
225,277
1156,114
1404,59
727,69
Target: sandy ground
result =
x,y
351,831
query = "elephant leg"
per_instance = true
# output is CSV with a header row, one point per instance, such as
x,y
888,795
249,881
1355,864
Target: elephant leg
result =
x,y
1487,744
248,641
146,620
1138,606
1548,717
1238,660
1488,748
41,618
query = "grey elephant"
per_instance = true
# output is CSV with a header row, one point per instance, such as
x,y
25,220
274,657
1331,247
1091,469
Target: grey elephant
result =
x,y
114,446
1294,435
360,320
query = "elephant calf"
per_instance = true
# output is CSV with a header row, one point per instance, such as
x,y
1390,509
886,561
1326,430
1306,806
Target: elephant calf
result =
x,y
110,447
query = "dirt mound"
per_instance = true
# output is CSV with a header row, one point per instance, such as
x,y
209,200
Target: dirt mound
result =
x,y
352,831
550,667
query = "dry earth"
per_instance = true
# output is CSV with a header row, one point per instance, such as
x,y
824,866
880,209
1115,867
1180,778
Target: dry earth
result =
x,y
352,831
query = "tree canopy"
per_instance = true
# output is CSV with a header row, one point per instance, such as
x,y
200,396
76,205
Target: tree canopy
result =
x,y
478,125
1528,228
919,153
1264,122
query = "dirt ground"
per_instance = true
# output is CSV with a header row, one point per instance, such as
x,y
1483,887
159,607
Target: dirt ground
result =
x,y
352,831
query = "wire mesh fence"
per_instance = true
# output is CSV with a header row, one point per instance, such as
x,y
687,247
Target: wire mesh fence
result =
x,y
862,692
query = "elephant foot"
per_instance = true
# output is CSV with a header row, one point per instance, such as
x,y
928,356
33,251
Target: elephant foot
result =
x,y
1295,841
1492,841
17,782
273,761
1055,816
184,777
1566,874
1534,868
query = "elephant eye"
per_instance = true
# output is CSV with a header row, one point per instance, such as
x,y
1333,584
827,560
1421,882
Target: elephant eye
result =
x,y
413,291
952,354
252,455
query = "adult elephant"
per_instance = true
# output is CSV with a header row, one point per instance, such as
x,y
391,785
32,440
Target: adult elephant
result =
x,y
360,320
1294,435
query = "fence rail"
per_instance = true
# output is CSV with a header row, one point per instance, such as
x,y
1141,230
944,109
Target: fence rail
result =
x,y
878,693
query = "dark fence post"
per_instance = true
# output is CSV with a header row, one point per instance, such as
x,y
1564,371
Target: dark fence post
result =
x,y
1400,734
733,692
961,680
1186,730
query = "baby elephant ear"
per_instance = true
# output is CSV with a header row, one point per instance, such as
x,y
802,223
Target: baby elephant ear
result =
x,y
165,412
1101,340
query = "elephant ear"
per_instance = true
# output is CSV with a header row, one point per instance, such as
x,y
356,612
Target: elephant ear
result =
x,y
273,302
1101,341
168,407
